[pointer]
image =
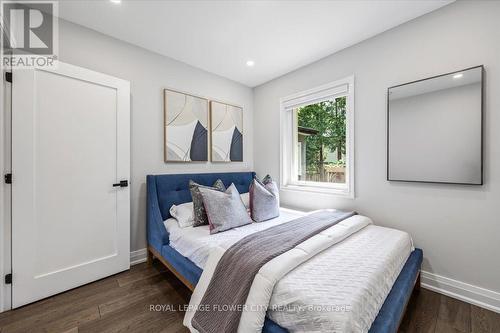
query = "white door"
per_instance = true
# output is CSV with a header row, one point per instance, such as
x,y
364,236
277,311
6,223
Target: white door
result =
x,y
70,144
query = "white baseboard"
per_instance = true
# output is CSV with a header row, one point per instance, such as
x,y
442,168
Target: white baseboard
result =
x,y
139,256
469,293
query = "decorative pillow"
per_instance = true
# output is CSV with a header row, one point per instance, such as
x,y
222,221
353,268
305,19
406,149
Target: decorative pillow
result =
x,y
199,213
264,199
183,213
225,210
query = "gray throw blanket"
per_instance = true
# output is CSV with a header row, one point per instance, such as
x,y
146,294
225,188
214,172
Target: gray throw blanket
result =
x,y
236,270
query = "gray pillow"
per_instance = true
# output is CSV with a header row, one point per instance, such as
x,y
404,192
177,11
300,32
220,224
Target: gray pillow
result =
x,y
264,199
225,210
199,213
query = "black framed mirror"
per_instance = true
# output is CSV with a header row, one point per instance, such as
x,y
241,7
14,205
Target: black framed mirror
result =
x,y
435,129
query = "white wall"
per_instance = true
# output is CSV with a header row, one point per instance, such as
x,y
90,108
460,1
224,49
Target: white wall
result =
x,y
458,227
149,74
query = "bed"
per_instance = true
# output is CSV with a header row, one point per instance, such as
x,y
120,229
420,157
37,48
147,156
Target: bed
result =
x,y
185,252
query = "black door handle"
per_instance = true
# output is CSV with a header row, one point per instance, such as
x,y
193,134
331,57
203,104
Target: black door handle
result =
x,y
122,183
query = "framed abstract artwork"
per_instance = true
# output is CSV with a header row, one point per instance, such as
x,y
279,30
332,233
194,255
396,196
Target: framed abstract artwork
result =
x,y
226,124
186,127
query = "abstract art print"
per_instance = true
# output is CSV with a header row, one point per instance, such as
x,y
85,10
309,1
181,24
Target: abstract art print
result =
x,y
226,132
186,127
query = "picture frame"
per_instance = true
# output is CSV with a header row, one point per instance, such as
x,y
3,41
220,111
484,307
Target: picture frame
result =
x,y
186,126
226,132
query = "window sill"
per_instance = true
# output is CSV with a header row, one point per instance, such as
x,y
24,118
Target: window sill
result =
x,y
334,191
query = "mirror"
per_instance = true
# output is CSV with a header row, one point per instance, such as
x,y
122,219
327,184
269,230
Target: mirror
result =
x,y
434,130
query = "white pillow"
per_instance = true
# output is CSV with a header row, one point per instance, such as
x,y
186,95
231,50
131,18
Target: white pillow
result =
x,y
245,197
183,213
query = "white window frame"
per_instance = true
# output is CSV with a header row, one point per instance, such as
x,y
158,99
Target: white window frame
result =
x,y
288,179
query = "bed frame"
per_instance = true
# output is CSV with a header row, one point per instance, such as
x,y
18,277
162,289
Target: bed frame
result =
x,y
165,190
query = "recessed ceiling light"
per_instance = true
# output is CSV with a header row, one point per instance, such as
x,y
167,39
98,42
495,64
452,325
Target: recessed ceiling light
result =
x,y
458,76
250,63
116,1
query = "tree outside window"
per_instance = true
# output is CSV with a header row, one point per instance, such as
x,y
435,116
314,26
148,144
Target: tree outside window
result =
x,y
322,141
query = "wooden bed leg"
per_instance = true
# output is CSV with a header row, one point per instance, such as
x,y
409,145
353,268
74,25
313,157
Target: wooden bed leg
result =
x,y
150,258
417,283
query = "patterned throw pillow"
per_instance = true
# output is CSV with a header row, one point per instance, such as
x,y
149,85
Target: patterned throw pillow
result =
x,y
225,210
264,199
199,213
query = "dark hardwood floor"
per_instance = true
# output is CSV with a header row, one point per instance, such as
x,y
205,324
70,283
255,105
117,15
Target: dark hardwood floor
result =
x,y
121,303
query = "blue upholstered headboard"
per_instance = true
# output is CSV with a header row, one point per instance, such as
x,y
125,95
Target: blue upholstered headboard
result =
x,y
174,189
163,191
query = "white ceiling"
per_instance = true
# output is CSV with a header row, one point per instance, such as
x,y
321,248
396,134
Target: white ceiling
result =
x,y
220,36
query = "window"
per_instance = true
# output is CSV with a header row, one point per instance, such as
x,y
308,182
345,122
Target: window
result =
x,y
317,134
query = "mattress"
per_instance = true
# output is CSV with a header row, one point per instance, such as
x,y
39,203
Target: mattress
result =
x,y
342,288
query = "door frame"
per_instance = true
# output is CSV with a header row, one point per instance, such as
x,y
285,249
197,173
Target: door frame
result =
x,y
5,191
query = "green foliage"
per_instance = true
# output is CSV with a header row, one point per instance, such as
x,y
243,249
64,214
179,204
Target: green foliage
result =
x,y
340,163
329,118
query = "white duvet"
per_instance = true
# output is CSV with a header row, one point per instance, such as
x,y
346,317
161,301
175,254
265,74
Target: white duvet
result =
x,y
196,243
334,282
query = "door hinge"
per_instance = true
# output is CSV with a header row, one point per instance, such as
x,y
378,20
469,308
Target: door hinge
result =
x,y
8,178
8,77
8,278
